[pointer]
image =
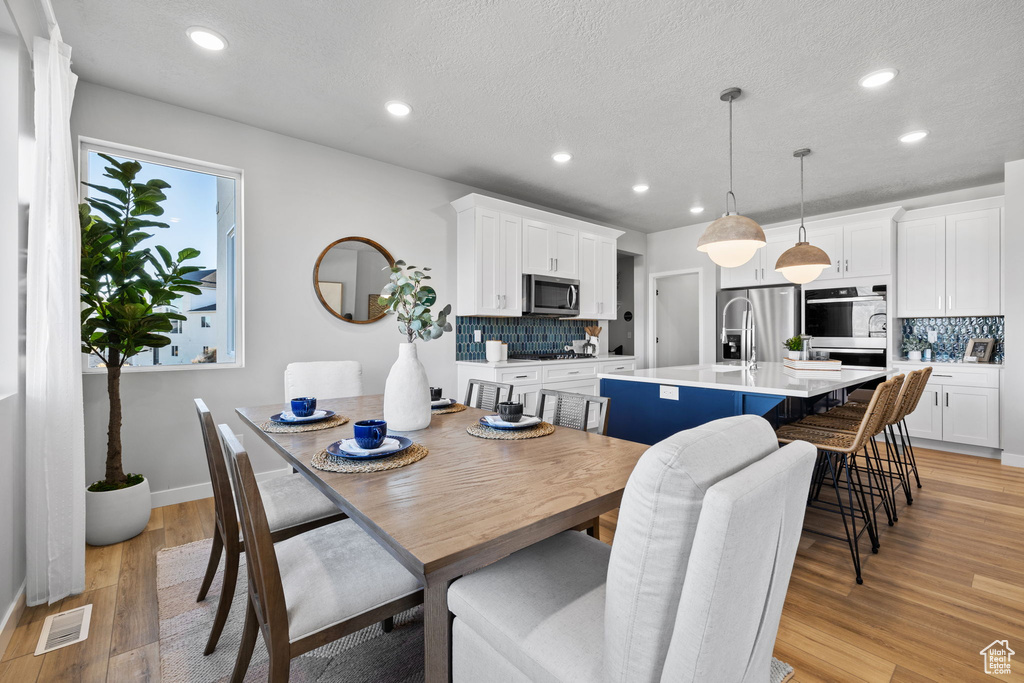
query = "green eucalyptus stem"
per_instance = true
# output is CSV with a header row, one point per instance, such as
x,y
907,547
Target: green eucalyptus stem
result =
x,y
409,298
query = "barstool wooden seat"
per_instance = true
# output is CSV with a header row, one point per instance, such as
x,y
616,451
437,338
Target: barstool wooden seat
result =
x,y
837,460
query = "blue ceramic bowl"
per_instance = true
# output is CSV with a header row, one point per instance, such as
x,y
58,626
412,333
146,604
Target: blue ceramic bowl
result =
x,y
303,407
370,433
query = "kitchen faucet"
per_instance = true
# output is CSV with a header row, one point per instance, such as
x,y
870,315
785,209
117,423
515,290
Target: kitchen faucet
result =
x,y
748,325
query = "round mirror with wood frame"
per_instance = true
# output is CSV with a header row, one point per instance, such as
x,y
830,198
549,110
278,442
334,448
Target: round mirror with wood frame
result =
x,y
348,277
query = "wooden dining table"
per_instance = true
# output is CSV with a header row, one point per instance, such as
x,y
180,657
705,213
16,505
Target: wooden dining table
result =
x,y
468,503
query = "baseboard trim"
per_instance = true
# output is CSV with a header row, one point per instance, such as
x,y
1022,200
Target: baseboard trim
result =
x,y
961,448
1013,459
11,619
183,494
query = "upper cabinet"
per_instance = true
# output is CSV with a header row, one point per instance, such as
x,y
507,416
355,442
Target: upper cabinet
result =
x,y
500,241
550,250
861,247
949,265
598,273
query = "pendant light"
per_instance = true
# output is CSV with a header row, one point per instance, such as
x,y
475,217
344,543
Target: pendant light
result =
x,y
804,262
733,239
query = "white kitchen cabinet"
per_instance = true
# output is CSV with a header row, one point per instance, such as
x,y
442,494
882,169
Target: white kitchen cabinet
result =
x,y
778,242
949,265
867,248
829,240
490,263
972,263
921,271
926,421
971,415
597,273
550,250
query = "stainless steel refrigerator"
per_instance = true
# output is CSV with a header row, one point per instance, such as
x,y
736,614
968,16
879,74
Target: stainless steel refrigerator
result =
x,y
776,318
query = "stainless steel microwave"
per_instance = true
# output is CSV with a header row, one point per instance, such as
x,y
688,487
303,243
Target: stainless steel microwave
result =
x,y
851,323
551,296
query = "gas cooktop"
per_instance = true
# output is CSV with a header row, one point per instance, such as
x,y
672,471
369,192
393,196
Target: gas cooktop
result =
x,y
554,355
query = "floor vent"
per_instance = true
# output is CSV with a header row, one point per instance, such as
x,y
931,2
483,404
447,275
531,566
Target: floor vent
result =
x,y
64,628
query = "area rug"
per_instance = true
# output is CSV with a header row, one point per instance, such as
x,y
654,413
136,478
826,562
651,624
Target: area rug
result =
x,y
369,656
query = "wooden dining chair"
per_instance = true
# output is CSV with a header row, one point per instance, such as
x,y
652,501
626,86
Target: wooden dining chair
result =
x,y
574,410
323,379
313,588
293,506
488,394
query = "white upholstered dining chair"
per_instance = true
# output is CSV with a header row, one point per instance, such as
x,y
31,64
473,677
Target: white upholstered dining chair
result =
x,y
692,589
323,379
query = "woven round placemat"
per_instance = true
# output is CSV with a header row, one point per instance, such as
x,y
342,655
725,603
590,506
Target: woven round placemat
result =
x,y
453,408
278,428
329,463
543,429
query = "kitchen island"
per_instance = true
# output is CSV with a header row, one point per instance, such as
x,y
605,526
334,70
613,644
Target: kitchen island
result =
x,y
650,405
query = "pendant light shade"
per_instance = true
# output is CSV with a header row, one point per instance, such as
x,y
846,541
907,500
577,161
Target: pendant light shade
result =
x,y
803,262
731,240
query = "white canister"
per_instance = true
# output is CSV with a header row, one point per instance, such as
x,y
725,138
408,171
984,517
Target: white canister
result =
x,y
504,351
493,351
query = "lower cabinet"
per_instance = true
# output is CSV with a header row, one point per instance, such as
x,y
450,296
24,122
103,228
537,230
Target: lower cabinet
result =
x,y
959,406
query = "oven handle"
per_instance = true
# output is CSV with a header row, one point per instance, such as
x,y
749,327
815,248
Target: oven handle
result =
x,y
832,350
842,300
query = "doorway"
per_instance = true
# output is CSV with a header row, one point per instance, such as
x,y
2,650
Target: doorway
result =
x,y
676,307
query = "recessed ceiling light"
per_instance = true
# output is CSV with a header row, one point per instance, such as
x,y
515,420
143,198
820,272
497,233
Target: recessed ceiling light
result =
x,y
561,157
914,136
640,188
396,108
877,78
205,38
696,209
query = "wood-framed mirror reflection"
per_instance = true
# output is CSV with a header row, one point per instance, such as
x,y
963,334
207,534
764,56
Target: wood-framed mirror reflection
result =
x,y
348,277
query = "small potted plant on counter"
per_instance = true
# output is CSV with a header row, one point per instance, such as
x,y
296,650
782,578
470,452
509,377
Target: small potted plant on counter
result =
x,y
913,346
794,347
127,292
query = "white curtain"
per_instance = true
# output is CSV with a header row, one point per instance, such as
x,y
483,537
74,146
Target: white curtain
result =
x,y
54,424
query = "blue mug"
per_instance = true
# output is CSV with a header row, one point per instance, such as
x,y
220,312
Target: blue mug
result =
x,y
303,407
370,433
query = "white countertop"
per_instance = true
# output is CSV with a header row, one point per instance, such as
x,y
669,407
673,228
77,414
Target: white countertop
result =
x,y
947,364
769,378
516,363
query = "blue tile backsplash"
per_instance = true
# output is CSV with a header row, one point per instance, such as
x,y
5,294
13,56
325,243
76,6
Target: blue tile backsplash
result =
x,y
955,333
523,335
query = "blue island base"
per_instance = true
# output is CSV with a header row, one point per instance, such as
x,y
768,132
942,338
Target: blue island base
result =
x,y
638,413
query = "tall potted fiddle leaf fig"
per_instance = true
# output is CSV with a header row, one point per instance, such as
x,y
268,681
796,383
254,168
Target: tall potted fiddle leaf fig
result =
x,y
126,291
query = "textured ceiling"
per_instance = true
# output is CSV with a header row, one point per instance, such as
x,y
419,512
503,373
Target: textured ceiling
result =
x,y
630,88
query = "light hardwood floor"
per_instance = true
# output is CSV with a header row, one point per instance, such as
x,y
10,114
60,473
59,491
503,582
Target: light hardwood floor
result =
x,y
948,580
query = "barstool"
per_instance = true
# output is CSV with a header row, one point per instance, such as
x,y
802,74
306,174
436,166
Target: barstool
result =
x,y
837,454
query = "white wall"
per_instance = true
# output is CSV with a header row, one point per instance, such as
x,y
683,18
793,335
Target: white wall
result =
x,y
15,144
1012,381
321,194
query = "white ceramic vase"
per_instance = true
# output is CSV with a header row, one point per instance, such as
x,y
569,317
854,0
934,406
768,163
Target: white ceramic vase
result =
x,y
407,393
115,516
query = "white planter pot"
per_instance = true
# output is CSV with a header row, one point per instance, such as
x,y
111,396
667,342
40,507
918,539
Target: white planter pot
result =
x,y
914,355
794,355
407,393
115,516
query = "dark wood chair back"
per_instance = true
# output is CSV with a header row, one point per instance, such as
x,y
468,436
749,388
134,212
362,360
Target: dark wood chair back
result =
x,y
223,499
574,410
266,594
488,394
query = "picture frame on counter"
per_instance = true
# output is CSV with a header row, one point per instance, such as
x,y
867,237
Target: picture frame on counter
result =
x,y
979,350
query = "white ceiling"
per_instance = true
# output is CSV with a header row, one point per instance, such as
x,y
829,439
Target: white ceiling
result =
x,y
630,88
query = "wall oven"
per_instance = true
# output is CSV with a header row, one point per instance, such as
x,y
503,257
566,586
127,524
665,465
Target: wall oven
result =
x,y
851,323
551,296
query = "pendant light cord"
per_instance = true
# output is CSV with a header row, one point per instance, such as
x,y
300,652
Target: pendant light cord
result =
x,y
802,233
730,192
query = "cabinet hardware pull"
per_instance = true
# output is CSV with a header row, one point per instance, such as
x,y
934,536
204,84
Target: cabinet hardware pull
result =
x,y
621,367
524,377
947,400
755,274
762,273
550,261
942,375
936,398
574,372
837,266
556,265
950,307
847,265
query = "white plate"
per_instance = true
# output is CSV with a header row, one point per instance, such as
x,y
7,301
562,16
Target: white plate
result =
x,y
526,421
389,444
442,403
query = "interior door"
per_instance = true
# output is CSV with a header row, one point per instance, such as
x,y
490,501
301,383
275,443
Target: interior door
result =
x,y
537,258
972,263
921,250
677,320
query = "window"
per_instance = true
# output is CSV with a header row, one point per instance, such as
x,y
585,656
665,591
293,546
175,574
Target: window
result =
x,y
202,211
